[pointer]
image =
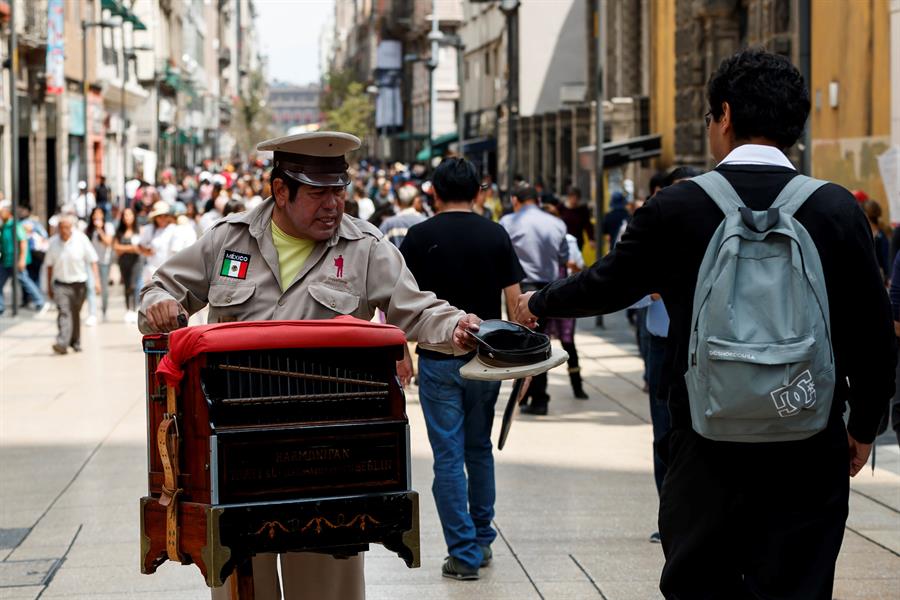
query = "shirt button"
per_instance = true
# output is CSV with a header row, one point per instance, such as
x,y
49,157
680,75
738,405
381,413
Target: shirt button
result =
x,y
281,302
332,304
228,299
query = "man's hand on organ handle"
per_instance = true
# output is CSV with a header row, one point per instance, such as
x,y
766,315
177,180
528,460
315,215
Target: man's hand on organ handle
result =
x,y
162,316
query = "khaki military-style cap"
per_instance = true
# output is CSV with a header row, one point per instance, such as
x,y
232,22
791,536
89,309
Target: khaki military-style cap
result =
x,y
313,158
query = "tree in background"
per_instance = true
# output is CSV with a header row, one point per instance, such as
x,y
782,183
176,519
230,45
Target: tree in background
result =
x,y
346,105
253,116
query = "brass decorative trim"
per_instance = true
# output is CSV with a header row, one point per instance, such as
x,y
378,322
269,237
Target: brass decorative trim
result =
x,y
411,536
362,518
146,542
271,527
214,554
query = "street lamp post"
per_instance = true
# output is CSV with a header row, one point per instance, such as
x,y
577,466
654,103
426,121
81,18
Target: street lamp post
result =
x,y
85,25
14,146
597,92
510,8
435,38
128,55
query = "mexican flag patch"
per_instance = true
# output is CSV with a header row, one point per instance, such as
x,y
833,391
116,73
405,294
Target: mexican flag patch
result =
x,y
234,265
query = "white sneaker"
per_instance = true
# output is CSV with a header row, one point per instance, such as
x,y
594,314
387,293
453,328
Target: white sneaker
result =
x,y
130,317
44,309
91,321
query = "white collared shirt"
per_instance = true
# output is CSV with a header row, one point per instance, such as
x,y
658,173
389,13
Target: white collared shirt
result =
x,y
757,154
70,258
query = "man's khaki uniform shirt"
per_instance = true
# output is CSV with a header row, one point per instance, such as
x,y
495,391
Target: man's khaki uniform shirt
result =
x,y
234,269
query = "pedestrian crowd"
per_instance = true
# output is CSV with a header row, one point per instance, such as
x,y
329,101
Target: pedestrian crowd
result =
x,y
447,240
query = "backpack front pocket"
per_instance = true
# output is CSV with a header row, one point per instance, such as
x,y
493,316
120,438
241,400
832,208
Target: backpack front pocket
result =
x,y
760,380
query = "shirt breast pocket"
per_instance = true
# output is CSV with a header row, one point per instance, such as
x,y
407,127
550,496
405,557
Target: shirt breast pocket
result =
x,y
224,296
341,302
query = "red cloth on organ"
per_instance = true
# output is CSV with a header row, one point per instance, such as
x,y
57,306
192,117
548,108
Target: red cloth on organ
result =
x,y
340,332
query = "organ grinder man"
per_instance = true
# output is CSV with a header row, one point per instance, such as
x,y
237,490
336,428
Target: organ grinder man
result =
x,y
297,256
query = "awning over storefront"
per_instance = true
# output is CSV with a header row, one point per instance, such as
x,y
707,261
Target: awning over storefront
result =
x,y
624,151
118,9
479,145
405,136
438,146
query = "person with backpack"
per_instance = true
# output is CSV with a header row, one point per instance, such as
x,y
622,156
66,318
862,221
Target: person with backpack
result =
x,y
763,272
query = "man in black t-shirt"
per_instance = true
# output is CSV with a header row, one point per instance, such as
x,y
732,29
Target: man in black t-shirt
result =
x,y
467,260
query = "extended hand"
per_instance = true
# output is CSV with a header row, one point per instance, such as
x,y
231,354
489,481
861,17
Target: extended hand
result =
x,y
461,337
162,317
523,313
859,455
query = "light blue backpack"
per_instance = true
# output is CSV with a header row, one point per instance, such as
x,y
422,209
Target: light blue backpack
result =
x,y
760,363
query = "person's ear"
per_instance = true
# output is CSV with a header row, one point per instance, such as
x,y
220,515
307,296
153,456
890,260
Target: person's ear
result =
x,y
725,120
280,192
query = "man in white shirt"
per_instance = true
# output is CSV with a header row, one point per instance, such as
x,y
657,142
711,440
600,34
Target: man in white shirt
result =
x,y
84,201
67,258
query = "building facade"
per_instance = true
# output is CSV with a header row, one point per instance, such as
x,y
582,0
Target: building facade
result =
x,y
118,89
293,106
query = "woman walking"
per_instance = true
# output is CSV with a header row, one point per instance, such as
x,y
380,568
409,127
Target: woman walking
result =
x,y
129,258
101,235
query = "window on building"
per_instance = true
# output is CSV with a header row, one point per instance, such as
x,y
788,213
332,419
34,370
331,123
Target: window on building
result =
x,y
487,62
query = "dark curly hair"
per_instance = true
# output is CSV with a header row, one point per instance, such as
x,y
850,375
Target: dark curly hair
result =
x,y
767,95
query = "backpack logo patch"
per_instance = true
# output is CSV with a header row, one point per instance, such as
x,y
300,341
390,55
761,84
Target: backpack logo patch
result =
x,y
800,394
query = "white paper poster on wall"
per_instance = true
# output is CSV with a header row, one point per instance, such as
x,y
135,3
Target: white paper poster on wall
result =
x,y
889,166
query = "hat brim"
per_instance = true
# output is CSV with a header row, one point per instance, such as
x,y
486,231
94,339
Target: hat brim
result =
x,y
154,213
477,370
320,179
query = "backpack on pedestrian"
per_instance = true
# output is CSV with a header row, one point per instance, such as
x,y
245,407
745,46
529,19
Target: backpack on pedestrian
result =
x,y
761,364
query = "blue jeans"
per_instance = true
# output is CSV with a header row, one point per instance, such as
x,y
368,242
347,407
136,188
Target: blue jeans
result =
x,y
28,286
458,415
104,290
659,406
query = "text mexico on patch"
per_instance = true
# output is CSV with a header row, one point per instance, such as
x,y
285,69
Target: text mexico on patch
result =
x,y
234,265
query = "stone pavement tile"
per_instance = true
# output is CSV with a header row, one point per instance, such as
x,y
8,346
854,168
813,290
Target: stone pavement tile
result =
x,y
550,567
448,589
867,514
127,580
383,569
113,554
634,565
46,542
25,512
866,589
631,590
859,558
199,594
887,538
28,592
568,590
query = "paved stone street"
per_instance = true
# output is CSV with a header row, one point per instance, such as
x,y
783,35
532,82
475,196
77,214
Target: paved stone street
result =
x,y
576,497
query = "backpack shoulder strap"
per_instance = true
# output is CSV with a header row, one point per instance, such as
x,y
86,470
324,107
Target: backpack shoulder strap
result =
x,y
722,193
795,193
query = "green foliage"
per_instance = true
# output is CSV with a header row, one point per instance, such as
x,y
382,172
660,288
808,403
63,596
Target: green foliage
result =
x,y
253,116
346,104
